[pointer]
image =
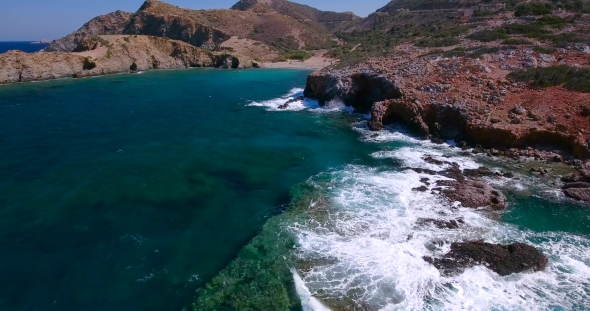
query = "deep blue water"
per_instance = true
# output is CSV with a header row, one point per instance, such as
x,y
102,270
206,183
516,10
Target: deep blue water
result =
x,y
25,46
128,192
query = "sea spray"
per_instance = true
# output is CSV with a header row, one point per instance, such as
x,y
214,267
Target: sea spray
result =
x,y
357,238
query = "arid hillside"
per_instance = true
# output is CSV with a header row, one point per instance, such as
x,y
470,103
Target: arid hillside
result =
x,y
297,11
280,25
112,54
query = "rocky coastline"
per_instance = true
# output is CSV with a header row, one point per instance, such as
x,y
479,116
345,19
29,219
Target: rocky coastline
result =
x,y
112,54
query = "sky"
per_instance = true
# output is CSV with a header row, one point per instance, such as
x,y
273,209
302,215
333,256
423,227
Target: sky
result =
x,y
30,20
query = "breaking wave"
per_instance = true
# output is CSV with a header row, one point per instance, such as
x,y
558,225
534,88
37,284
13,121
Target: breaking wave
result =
x,y
294,101
362,246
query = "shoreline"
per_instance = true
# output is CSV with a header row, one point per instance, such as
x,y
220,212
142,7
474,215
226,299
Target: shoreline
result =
x,y
317,61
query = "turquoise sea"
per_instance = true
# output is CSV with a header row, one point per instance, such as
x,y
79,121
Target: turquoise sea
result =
x,y
132,192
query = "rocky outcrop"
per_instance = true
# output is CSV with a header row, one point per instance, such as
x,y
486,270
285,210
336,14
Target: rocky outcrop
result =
x,y
473,194
109,55
109,24
581,194
17,66
359,89
460,99
502,259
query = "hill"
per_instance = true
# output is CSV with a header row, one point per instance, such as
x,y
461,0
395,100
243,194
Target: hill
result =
x,y
110,54
281,25
109,24
297,11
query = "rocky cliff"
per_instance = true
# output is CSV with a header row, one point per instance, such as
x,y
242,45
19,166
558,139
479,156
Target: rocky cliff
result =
x,y
283,25
109,24
464,99
109,55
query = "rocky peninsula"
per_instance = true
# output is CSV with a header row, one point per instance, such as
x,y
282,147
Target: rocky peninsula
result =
x,y
112,54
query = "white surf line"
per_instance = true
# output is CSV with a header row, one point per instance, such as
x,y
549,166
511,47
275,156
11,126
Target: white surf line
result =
x,y
308,302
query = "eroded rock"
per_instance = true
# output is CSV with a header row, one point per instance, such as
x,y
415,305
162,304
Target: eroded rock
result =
x,y
581,194
502,259
473,194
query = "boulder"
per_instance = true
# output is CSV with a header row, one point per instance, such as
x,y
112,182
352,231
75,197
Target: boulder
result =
x,y
581,194
479,172
442,224
473,194
576,185
502,259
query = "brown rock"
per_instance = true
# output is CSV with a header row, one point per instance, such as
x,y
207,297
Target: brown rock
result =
x,y
442,224
502,259
581,194
473,194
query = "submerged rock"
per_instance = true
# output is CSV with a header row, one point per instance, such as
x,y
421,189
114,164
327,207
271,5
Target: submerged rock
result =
x,y
442,224
502,259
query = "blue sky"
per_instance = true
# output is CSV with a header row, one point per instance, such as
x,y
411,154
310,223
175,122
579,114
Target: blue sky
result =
x,y
23,20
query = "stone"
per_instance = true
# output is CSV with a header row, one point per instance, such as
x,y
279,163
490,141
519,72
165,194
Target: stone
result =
x,y
479,172
473,194
421,189
442,224
502,259
581,194
576,185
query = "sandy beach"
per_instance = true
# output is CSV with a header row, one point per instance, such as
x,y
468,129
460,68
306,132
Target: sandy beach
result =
x,y
317,61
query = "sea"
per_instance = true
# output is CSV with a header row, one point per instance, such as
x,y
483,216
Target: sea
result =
x,y
25,46
134,191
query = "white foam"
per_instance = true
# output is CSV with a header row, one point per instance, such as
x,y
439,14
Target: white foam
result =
x,y
308,302
365,247
299,105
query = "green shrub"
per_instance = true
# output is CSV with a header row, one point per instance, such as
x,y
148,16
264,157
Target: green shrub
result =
x,y
529,30
298,55
534,8
562,40
514,41
573,78
552,21
437,42
544,50
488,35
479,52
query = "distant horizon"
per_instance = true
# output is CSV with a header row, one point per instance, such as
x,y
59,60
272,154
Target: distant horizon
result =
x,y
34,20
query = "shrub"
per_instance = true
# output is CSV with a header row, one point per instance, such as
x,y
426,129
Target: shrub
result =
x,y
534,8
552,21
573,78
298,55
530,30
562,40
437,42
513,41
489,35
544,50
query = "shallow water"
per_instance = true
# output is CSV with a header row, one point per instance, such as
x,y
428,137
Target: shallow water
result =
x,y
128,192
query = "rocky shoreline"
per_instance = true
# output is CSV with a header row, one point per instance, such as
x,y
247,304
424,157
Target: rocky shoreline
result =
x,y
467,101
104,55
